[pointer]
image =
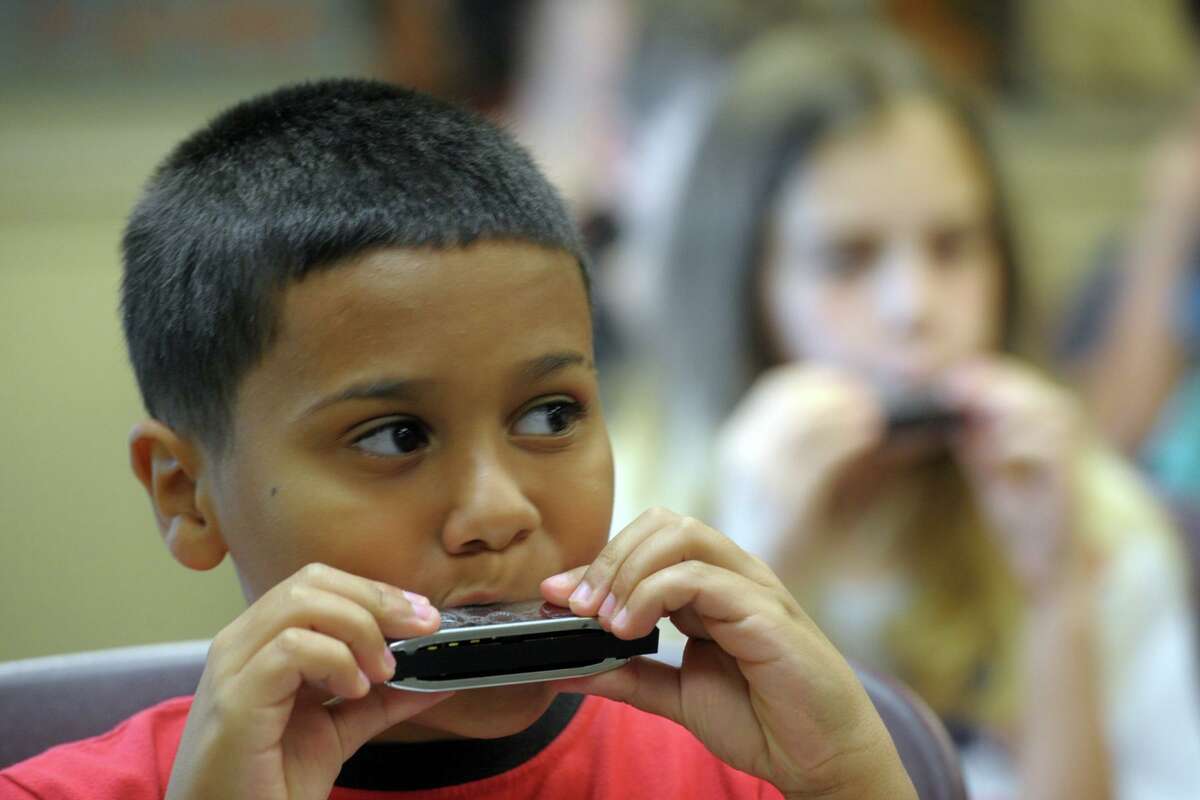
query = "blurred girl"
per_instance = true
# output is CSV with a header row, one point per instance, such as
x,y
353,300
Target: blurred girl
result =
x,y
841,260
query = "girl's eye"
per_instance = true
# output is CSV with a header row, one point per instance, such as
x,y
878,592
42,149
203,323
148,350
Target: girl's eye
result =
x,y
852,256
399,438
549,419
947,245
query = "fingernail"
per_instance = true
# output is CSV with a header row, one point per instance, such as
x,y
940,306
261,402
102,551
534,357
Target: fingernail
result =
x,y
622,618
389,660
582,593
416,599
420,605
364,683
610,603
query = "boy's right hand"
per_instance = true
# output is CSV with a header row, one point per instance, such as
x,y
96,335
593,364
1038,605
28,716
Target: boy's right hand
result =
x,y
258,727
784,448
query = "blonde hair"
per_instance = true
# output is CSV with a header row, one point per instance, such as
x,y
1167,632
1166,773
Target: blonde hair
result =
x,y
955,642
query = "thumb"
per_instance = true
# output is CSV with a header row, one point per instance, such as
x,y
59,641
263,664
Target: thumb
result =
x,y
557,588
358,721
643,683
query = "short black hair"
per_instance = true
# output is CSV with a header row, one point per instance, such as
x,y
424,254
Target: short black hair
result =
x,y
294,181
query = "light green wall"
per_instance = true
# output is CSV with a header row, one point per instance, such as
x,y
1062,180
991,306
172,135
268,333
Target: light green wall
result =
x,y
82,564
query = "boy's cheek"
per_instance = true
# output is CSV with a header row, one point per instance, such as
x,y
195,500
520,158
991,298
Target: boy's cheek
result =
x,y
298,523
574,496
586,527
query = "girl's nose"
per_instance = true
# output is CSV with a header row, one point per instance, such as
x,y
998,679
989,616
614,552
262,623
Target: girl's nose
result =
x,y
905,292
491,511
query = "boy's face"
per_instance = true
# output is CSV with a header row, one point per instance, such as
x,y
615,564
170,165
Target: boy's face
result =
x,y
428,418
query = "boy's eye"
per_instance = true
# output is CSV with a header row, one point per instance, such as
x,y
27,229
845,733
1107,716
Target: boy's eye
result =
x,y
399,438
549,419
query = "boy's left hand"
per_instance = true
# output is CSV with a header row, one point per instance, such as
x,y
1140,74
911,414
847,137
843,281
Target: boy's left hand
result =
x,y
760,685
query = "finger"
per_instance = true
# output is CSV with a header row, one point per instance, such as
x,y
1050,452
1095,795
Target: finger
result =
x,y
834,431
689,623
557,589
358,721
593,588
685,539
1001,414
749,622
1024,440
398,614
827,399
974,395
1007,390
344,620
642,683
306,606
963,376
991,387
295,657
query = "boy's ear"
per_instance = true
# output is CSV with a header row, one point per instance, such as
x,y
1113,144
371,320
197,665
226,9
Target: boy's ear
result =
x,y
169,466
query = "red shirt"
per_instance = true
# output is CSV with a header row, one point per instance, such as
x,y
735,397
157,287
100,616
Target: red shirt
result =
x,y
607,750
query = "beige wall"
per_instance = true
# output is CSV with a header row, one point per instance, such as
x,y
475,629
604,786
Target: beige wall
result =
x,y
82,563
83,566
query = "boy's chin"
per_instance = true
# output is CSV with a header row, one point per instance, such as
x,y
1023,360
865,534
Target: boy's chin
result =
x,y
479,714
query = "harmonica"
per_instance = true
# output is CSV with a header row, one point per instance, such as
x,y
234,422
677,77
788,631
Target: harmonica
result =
x,y
921,414
510,643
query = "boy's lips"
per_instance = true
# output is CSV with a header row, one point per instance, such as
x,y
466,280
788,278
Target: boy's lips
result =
x,y
477,598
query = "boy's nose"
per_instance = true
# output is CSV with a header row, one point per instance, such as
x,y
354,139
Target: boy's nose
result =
x,y
491,511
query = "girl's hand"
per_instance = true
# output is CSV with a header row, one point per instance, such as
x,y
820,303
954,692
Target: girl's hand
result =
x,y
783,450
258,727
1021,449
760,685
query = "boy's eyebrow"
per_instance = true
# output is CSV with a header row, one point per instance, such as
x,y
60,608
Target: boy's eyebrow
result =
x,y
408,389
401,389
537,368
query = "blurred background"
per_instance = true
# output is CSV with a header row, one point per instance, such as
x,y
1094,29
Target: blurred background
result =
x,y
606,93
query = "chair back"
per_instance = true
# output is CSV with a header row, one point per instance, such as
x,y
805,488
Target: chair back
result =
x,y
925,748
57,699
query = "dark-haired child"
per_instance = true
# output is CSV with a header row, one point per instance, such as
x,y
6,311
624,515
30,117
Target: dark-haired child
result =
x,y
359,319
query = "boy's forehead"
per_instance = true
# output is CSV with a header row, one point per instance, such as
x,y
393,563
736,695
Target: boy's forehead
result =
x,y
427,311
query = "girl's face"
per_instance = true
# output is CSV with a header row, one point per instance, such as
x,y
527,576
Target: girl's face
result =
x,y
881,257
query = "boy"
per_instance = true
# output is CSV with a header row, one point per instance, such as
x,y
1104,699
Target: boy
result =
x,y
360,323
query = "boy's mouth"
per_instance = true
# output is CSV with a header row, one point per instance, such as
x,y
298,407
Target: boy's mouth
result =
x,y
477,598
